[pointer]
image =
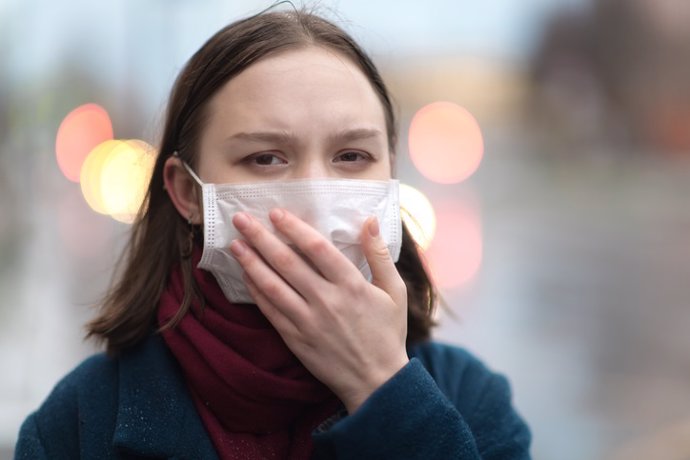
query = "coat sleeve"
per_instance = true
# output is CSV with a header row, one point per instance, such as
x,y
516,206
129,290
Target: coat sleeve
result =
x,y
411,417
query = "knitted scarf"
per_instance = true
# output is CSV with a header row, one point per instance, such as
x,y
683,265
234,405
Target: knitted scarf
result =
x,y
255,398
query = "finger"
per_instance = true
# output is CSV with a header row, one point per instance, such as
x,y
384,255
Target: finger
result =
x,y
280,321
383,271
332,264
285,261
271,286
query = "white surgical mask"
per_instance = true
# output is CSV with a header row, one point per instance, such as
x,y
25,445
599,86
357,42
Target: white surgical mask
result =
x,y
336,208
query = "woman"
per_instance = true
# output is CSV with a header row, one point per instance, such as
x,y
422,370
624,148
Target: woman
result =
x,y
246,322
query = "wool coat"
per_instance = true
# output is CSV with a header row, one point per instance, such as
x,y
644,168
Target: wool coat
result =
x,y
444,404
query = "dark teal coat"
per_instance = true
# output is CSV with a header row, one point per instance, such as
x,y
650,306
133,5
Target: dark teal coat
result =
x,y
443,405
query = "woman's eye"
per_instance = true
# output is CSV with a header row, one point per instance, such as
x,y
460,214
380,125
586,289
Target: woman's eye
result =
x,y
266,159
351,156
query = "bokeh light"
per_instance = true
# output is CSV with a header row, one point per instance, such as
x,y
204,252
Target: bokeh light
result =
x,y
418,215
115,176
125,178
81,130
455,254
445,142
91,172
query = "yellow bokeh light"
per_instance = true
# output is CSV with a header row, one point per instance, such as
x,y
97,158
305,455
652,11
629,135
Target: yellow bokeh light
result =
x,y
418,215
115,176
445,142
90,175
125,178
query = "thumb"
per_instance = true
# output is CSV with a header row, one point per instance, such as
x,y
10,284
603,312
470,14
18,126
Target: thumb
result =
x,y
384,273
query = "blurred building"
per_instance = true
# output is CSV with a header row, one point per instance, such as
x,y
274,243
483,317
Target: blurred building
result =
x,y
617,71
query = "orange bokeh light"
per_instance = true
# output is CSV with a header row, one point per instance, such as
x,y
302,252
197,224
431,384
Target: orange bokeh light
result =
x,y
455,254
82,129
445,142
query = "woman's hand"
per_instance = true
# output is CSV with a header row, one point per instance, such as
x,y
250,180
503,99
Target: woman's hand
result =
x,y
348,332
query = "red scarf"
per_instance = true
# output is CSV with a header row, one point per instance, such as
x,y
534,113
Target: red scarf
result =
x,y
255,398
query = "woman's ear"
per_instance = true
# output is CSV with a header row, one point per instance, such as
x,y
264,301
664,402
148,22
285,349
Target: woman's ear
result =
x,y
183,190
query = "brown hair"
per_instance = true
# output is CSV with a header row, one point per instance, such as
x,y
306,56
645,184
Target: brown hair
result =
x,y
160,235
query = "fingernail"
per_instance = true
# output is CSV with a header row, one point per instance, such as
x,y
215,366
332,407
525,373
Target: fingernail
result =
x,y
276,214
240,221
238,248
374,227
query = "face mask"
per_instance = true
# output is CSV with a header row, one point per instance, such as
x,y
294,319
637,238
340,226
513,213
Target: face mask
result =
x,y
336,208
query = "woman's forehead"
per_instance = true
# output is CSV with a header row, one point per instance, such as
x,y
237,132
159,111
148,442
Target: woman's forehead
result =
x,y
306,85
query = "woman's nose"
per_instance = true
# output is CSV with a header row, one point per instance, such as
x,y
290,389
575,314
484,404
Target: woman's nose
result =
x,y
312,169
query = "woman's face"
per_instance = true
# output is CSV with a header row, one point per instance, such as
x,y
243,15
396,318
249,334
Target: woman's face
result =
x,y
305,113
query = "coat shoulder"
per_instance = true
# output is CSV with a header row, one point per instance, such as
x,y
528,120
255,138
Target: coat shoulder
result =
x,y
451,365
74,404
462,376
91,381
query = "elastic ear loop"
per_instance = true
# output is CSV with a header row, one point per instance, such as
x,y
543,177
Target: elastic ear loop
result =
x,y
189,169
187,252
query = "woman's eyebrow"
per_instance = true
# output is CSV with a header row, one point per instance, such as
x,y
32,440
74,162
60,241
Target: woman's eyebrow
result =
x,y
355,134
282,137
285,137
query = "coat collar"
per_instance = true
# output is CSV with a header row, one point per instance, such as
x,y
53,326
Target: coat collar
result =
x,y
156,415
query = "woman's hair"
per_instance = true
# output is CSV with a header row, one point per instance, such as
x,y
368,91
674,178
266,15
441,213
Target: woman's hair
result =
x,y
160,236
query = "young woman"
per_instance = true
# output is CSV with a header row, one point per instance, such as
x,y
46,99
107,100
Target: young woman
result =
x,y
270,305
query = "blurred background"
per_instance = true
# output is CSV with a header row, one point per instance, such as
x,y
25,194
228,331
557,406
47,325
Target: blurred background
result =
x,y
564,258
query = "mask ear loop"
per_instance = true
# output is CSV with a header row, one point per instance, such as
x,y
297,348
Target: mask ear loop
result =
x,y
189,169
187,251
